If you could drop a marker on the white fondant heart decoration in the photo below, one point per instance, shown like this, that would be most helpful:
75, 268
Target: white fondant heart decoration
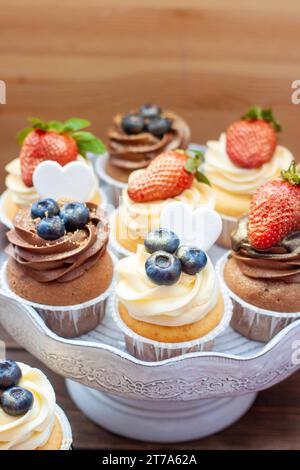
201, 227
74, 180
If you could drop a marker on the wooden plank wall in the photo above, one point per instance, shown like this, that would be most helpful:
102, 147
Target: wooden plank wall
208, 60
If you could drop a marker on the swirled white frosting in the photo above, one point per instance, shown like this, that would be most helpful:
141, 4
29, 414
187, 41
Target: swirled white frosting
23, 195
186, 302
137, 219
223, 173
33, 429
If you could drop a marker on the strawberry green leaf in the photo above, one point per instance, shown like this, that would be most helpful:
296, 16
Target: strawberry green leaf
202, 178
197, 153
83, 136
257, 112
292, 174
21, 136
55, 126
75, 124
37, 123
191, 165
194, 161
95, 146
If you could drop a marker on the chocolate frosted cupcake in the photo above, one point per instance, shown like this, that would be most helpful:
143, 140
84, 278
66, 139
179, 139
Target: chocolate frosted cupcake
58, 260
265, 278
137, 138
262, 271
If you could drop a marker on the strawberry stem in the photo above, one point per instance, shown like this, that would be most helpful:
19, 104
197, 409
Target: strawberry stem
256, 113
292, 174
86, 141
193, 164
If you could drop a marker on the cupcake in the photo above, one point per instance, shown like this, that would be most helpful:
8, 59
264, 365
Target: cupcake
172, 176
59, 263
29, 416
262, 272
55, 141
168, 299
243, 159
138, 137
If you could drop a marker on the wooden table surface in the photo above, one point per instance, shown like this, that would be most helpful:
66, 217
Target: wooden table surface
272, 423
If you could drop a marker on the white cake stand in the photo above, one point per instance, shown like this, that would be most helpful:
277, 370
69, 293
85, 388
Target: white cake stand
175, 400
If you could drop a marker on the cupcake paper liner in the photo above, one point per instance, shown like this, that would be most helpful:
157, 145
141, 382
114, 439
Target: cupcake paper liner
68, 321
250, 321
150, 350
115, 187
7, 222
228, 226
66, 429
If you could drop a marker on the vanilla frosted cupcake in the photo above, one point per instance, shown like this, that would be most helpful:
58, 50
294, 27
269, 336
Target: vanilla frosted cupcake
172, 176
169, 300
241, 161
59, 142
29, 417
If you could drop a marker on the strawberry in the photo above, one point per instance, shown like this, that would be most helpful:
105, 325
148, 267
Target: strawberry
56, 141
168, 175
251, 141
275, 210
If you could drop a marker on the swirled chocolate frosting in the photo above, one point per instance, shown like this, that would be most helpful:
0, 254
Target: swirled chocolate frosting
61, 260
135, 151
279, 263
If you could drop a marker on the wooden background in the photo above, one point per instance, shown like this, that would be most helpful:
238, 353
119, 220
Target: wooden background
208, 60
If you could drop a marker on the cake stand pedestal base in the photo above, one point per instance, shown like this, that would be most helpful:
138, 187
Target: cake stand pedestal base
159, 421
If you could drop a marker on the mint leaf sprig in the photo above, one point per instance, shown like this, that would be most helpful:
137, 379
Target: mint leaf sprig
86, 141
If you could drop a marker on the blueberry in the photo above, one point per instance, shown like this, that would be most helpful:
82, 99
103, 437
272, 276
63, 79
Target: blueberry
75, 216
192, 259
150, 111
163, 268
44, 208
50, 228
10, 374
16, 401
158, 126
161, 239
133, 124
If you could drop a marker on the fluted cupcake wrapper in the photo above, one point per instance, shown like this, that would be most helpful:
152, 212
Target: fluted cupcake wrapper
228, 226
68, 321
115, 187
150, 350
67, 438
250, 321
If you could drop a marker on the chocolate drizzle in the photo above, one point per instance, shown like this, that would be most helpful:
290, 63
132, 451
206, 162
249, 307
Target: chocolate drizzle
132, 152
279, 263
61, 260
